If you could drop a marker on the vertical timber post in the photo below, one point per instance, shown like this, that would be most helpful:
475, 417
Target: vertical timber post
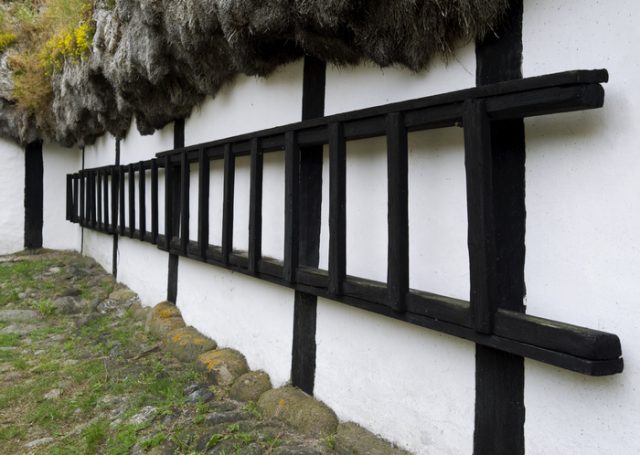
174, 189
303, 365
115, 185
33, 195
82, 204
500, 412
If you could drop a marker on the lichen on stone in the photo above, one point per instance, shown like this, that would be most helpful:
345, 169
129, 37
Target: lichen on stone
156, 59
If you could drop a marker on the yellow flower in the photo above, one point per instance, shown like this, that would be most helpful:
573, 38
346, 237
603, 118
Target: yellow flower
83, 39
6, 40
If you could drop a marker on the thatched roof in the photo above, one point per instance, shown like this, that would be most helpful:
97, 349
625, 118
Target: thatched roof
157, 59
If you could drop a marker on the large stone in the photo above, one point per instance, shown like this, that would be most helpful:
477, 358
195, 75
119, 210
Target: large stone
19, 329
139, 312
163, 319
250, 386
299, 410
123, 295
200, 396
299, 449
53, 394
161, 328
67, 305
69, 292
164, 310
38, 443
352, 439
223, 366
187, 343
146, 415
18, 315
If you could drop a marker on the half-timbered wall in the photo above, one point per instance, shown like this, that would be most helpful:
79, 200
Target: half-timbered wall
412, 385
142, 266
372, 369
256, 318
94, 244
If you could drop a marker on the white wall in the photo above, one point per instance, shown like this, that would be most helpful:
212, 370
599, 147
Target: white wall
379, 372
102, 153
99, 245
11, 197
583, 225
142, 266
57, 232
252, 316
412, 386
240, 312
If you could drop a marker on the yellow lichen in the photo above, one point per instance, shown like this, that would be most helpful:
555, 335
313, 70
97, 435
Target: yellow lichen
199, 341
165, 313
210, 360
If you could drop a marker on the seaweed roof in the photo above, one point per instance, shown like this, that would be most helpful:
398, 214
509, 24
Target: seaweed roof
156, 59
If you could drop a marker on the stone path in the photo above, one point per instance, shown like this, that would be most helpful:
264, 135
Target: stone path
85, 369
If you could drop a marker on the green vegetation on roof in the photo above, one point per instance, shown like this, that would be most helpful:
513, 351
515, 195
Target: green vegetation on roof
80, 68
37, 37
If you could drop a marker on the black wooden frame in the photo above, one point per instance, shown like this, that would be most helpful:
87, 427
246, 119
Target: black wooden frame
479, 320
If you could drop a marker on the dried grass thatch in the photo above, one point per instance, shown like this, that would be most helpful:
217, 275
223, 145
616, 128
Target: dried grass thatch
156, 59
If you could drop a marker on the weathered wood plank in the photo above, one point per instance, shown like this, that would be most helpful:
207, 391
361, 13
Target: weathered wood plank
291, 220
203, 202
398, 212
481, 235
227, 209
142, 198
184, 203
255, 207
337, 208
154, 201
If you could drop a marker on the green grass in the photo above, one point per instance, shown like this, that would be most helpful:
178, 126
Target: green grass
44, 307
122, 442
11, 431
42, 333
95, 435
20, 364
154, 441
252, 408
9, 340
10, 296
48, 413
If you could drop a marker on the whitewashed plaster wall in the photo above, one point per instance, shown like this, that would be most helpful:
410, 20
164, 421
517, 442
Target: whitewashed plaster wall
97, 244
11, 197
583, 225
379, 372
57, 232
142, 266
237, 311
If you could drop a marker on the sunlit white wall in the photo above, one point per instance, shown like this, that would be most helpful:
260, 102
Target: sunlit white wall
11, 197
583, 224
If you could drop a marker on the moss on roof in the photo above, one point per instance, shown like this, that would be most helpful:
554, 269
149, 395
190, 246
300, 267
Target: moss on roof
97, 64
